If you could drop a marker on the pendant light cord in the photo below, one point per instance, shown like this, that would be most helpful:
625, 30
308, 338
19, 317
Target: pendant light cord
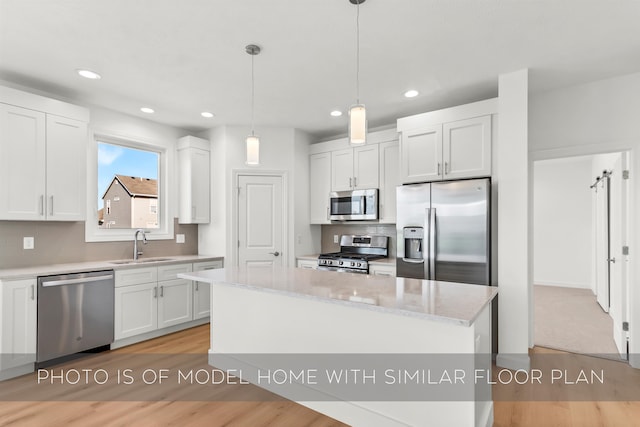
358, 53
252, 95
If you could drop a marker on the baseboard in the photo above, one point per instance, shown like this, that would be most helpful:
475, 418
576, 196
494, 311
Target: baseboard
562, 284
157, 333
514, 361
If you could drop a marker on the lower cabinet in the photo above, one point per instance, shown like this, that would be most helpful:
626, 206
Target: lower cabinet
309, 264
153, 298
382, 270
18, 327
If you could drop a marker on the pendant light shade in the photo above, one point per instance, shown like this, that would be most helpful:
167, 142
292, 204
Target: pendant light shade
253, 142
357, 112
253, 150
357, 124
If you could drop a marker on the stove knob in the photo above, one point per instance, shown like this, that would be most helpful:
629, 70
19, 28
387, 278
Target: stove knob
359, 264
340, 263
353, 264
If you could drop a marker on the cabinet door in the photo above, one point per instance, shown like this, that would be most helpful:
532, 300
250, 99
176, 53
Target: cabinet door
319, 187
175, 302
421, 155
342, 170
18, 327
308, 264
382, 270
365, 167
467, 148
194, 186
389, 180
202, 291
136, 310
22, 163
66, 169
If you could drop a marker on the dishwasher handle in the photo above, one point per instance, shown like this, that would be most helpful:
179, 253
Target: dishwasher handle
61, 282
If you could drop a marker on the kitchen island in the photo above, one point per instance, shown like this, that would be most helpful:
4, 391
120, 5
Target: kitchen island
301, 324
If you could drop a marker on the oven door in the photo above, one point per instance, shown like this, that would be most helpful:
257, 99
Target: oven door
354, 205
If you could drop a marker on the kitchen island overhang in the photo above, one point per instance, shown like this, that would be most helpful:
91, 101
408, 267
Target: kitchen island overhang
270, 316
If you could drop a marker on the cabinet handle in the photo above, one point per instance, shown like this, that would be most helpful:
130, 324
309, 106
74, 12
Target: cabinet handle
446, 168
327, 213
193, 212
197, 286
439, 169
155, 292
162, 291
355, 181
350, 179
33, 292
51, 206
41, 205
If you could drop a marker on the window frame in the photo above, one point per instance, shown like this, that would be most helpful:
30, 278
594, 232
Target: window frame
93, 233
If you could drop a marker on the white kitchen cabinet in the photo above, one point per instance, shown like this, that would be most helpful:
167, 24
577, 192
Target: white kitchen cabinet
18, 327
382, 270
308, 264
194, 180
421, 154
42, 158
467, 148
135, 310
453, 150
202, 291
175, 302
319, 187
389, 180
355, 168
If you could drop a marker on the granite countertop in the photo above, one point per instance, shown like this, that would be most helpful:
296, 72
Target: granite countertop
448, 302
45, 270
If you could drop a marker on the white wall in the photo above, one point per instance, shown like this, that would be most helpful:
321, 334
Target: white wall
562, 222
594, 118
281, 150
511, 176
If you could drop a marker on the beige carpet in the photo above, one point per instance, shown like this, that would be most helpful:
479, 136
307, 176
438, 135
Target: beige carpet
570, 319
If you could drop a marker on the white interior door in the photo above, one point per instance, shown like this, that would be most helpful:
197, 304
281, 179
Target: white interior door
618, 262
260, 220
602, 245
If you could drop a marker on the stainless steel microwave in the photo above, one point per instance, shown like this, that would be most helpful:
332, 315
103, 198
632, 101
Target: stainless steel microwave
355, 205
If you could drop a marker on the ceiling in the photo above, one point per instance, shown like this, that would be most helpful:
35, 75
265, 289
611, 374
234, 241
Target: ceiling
182, 58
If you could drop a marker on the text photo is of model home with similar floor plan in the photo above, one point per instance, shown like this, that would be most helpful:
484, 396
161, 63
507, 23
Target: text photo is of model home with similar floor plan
353, 212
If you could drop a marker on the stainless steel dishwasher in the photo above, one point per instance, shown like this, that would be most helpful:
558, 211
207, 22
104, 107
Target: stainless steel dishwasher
75, 313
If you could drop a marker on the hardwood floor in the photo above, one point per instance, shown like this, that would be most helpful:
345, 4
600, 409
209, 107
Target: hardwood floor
269, 410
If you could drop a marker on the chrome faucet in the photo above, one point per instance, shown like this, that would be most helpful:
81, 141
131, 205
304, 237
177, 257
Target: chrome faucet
137, 253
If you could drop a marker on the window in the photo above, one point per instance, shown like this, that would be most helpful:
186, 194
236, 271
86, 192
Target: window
127, 190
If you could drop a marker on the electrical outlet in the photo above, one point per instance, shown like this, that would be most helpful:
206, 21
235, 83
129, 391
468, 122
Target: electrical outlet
28, 243
179, 238
335, 238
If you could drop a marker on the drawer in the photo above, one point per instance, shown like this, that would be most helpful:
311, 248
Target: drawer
136, 276
208, 265
170, 272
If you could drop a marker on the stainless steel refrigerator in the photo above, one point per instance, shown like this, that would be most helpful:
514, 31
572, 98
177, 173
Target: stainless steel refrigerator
443, 231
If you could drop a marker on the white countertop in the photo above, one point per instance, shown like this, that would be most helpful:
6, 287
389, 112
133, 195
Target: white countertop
427, 299
42, 270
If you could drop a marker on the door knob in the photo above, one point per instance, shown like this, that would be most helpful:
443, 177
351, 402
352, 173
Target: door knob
276, 253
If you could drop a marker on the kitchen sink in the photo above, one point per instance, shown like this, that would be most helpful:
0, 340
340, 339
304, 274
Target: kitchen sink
141, 261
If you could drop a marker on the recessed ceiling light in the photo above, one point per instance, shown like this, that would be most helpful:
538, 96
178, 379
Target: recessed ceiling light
336, 113
411, 93
88, 74
147, 110
207, 114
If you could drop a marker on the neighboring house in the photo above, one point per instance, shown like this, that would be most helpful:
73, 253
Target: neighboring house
130, 202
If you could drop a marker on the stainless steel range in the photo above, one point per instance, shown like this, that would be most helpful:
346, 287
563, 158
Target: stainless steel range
355, 254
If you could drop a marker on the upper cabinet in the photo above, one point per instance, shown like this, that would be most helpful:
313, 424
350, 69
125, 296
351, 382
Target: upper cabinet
194, 180
42, 158
355, 168
389, 180
448, 144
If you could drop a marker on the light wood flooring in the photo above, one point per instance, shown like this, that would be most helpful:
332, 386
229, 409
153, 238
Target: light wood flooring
562, 412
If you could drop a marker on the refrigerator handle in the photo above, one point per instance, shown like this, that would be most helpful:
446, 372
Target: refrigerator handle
432, 243
426, 247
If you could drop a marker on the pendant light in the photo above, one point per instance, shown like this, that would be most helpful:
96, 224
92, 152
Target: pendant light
253, 142
357, 112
